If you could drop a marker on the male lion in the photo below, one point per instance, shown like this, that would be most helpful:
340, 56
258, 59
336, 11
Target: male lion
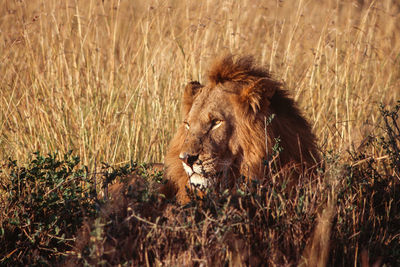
227, 132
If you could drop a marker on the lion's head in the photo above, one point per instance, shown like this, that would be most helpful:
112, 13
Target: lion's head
227, 129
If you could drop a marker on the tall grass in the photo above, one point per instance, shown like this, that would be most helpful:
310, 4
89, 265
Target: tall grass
104, 78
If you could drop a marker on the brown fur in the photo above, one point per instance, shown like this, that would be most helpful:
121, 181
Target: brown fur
242, 96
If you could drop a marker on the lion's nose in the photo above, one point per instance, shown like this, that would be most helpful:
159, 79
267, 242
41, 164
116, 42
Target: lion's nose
188, 159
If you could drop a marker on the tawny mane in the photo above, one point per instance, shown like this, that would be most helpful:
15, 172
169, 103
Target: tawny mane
241, 70
253, 98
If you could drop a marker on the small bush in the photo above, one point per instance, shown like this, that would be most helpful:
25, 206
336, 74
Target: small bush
45, 205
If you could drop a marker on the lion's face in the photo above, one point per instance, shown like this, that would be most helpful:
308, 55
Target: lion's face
208, 151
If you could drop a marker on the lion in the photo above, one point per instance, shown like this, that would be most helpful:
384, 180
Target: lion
227, 131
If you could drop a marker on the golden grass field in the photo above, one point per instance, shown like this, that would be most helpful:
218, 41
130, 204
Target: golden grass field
104, 78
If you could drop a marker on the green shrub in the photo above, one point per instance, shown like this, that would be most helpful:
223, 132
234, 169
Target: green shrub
45, 204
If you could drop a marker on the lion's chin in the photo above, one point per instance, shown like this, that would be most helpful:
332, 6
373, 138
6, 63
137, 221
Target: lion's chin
196, 180
199, 181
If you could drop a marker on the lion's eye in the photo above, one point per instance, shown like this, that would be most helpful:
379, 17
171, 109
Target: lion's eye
215, 124
187, 126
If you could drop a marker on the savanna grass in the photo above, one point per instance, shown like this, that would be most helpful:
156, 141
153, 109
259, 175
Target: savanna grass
104, 78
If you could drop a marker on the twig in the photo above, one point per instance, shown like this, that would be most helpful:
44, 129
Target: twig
369, 158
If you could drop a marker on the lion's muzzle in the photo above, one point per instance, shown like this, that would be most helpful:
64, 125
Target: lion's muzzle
195, 179
204, 171
194, 171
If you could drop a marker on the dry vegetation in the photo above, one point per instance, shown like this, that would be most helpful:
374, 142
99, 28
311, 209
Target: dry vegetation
104, 78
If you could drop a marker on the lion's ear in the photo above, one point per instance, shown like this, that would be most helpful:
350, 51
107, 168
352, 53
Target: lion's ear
257, 95
189, 94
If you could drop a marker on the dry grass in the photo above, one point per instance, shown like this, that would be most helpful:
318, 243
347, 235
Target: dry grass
105, 79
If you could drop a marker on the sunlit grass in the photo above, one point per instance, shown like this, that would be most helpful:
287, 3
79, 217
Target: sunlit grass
105, 79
